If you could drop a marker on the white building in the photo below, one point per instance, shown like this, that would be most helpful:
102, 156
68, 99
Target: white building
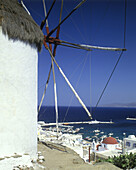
20, 37
108, 147
130, 143
108, 143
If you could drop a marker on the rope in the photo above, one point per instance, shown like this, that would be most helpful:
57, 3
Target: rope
77, 28
66, 18
117, 60
109, 79
81, 35
68, 82
75, 87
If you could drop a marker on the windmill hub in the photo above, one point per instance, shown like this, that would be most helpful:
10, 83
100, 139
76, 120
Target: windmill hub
52, 40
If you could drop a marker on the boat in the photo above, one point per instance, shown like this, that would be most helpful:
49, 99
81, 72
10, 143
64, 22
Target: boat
110, 134
130, 118
101, 132
97, 130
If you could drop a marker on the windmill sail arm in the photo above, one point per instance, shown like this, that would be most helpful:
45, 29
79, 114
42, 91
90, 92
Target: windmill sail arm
103, 48
77, 96
77, 47
22, 3
90, 47
64, 76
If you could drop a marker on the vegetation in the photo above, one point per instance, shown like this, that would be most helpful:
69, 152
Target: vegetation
127, 161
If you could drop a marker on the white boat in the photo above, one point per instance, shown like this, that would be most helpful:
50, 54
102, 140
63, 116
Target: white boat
110, 134
101, 132
97, 130
130, 118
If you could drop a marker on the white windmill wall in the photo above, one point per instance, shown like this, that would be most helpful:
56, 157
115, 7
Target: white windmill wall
18, 97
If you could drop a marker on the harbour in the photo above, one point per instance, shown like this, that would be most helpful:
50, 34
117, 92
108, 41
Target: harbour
75, 137
83, 122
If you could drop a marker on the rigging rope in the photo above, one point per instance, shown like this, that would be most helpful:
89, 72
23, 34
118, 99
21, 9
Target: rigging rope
117, 60
76, 86
109, 79
83, 37
66, 18
77, 28
68, 82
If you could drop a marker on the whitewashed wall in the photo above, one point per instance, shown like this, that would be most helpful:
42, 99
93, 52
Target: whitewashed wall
110, 146
131, 140
18, 97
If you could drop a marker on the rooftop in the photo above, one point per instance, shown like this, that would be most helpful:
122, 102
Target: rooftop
131, 137
18, 24
110, 140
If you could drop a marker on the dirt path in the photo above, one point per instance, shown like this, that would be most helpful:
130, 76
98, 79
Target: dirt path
62, 158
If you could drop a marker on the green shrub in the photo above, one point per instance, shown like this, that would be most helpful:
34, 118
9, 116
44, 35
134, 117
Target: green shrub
127, 161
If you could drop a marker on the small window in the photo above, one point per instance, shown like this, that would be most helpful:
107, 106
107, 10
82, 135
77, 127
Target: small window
134, 145
128, 144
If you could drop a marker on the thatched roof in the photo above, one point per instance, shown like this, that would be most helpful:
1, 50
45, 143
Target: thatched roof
18, 24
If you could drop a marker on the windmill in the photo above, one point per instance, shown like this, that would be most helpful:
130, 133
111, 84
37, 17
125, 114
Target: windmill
56, 41
20, 41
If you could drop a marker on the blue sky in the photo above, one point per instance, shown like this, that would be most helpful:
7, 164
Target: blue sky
99, 22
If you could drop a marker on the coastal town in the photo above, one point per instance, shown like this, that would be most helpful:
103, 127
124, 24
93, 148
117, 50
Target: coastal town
35, 138
105, 146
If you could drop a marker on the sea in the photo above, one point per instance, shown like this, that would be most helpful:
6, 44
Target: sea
120, 128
